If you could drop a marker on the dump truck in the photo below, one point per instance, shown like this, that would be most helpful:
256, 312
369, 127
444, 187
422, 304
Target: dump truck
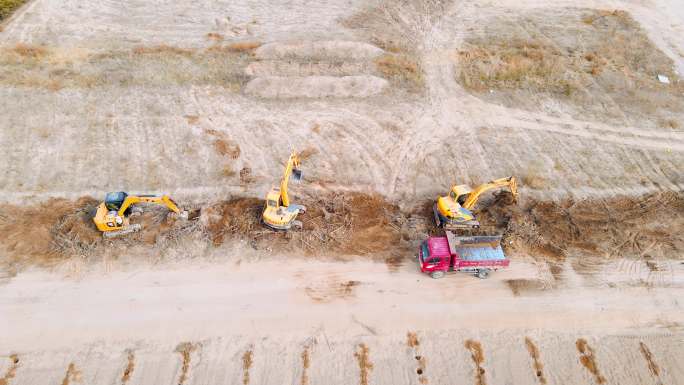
478, 255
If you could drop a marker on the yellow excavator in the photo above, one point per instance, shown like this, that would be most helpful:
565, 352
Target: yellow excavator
453, 212
112, 217
279, 213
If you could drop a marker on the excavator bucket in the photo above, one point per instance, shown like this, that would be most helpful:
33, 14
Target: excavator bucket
297, 174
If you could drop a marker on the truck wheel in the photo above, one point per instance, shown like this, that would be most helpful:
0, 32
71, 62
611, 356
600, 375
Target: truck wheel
482, 273
437, 274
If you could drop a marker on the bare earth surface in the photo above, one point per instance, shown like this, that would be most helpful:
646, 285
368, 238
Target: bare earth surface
204, 100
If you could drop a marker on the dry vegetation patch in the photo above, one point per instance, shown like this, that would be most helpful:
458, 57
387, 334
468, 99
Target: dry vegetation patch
401, 68
398, 27
596, 62
55, 68
7, 7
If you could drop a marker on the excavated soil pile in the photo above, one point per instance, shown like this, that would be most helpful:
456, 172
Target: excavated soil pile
43, 233
343, 224
349, 223
630, 227
60, 229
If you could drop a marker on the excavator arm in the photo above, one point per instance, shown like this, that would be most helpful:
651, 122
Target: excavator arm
164, 200
474, 195
292, 168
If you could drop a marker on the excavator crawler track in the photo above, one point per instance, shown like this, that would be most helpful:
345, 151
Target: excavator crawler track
120, 233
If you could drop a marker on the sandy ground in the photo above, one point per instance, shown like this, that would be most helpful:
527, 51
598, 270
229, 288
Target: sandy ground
278, 310
251, 317
394, 142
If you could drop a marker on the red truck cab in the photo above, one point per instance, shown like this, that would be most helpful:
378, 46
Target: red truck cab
474, 254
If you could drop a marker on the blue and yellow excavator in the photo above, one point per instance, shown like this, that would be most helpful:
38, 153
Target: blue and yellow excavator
453, 212
279, 213
112, 217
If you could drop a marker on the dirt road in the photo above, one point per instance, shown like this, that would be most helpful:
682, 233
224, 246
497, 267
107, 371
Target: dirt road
278, 310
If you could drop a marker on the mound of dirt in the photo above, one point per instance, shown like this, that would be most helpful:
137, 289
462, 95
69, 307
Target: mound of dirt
59, 229
40, 234
352, 223
630, 227
358, 86
349, 223
312, 50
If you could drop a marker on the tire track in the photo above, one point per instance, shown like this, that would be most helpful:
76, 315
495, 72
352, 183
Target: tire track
477, 354
641, 140
12, 371
365, 365
588, 360
537, 364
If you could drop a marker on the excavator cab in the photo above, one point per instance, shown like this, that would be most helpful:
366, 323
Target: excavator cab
114, 200
297, 174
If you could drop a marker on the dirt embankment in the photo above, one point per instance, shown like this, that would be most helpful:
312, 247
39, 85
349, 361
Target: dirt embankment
58, 229
350, 223
344, 224
630, 227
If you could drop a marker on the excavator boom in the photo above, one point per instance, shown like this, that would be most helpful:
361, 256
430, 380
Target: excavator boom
161, 200
291, 168
474, 195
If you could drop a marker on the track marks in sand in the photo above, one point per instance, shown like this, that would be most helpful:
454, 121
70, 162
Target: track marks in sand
477, 354
648, 356
72, 374
536, 360
130, 366
365, 365
588, 360
246, 365
185, 349
12, 371
413, 343
306, 361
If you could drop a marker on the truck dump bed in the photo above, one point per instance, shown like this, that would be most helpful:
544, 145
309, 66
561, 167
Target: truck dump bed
477, 248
